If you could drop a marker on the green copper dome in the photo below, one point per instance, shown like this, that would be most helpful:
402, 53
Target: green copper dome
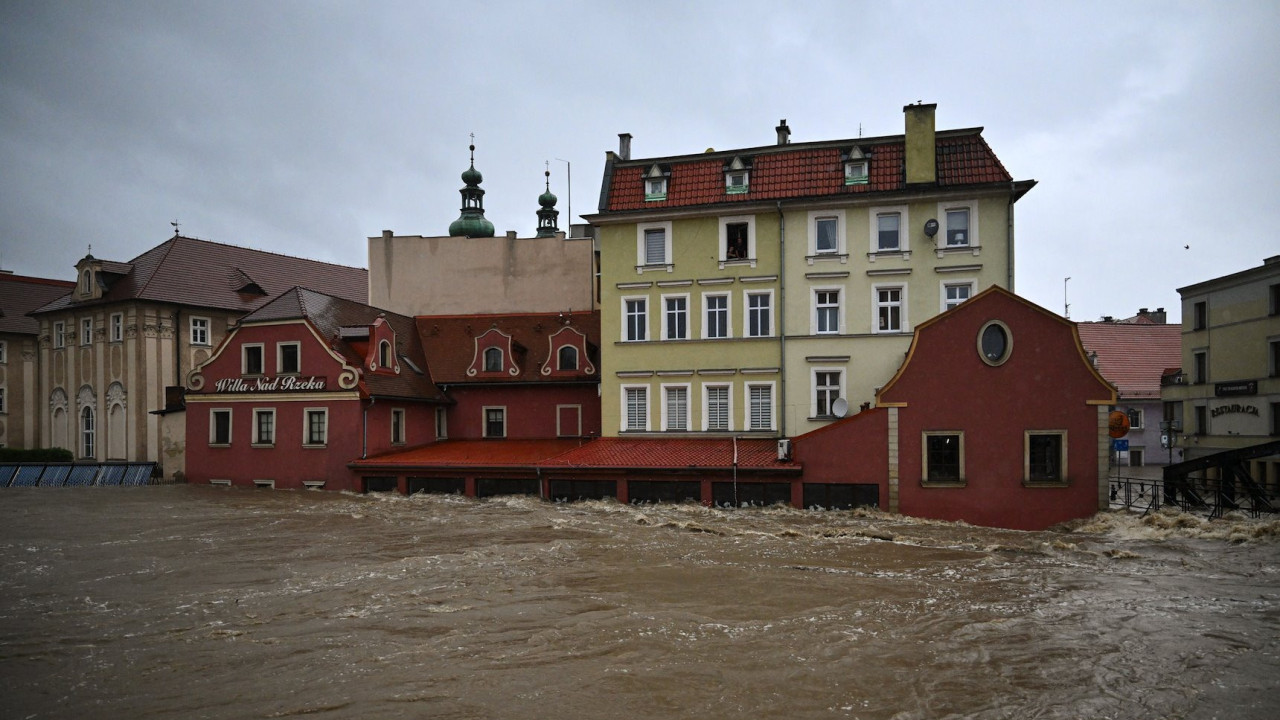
547, 199
472, 222
547, 214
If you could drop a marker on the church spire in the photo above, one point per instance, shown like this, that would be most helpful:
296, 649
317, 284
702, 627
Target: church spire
472, 223
547, 214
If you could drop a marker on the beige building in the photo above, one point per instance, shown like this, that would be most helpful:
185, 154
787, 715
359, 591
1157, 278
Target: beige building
769, 289
113, 353
19, 406
1228, 393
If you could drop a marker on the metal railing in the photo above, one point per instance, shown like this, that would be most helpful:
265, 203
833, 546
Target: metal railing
1210, 496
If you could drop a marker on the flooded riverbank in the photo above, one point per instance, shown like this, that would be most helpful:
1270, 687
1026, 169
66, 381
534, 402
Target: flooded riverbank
196, 602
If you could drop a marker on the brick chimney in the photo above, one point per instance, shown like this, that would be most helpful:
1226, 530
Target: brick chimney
922, 162
624, 146
784, 132
1156, 316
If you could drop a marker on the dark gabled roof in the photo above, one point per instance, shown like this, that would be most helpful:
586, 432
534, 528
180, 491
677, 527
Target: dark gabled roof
449, 342
330, 314
1133, 356
199, 273
20, 295
810, 170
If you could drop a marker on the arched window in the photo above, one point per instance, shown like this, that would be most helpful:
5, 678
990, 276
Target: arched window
384, 354
86, 282
568, 357
493, 360
86, 432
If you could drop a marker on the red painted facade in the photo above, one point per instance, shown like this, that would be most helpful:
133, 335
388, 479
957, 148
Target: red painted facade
1008, 415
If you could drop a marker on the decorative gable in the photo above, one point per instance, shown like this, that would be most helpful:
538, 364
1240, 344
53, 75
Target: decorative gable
737, 175
494, 355
656, 180
567, 353
381, 356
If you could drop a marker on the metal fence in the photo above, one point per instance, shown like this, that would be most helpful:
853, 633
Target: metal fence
1210, 496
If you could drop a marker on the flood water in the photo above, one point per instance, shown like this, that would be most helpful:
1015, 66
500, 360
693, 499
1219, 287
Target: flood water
198, 602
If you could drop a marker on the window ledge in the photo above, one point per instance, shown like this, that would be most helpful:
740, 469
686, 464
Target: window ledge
751, 262
267, 446
944, 483
826, 257
1045, 483
904, 254
975, 250
219, 445
312, 446
641, 269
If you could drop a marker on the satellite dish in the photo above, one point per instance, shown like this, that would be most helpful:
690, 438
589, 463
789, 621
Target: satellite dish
930, 227
840, 407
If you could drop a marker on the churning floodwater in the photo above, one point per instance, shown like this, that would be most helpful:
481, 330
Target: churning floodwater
197, 602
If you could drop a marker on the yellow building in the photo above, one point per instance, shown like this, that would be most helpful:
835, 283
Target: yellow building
1228, 393
746, 291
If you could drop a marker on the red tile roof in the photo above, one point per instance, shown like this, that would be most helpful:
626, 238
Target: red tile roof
20, 295
449, 343
200, 273
802, 171
475, 453
674, 453
1133, 356
330, 314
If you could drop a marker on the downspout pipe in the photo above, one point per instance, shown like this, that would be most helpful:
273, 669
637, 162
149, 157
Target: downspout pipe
1013, 194
782, 322
364, 430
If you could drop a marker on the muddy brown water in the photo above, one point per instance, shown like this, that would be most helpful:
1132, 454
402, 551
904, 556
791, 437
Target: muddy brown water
197, 602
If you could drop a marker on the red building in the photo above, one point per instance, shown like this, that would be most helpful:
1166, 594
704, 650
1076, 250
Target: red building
995, 418
301, 387
527, 376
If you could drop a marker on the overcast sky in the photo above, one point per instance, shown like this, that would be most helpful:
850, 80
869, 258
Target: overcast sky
304, 128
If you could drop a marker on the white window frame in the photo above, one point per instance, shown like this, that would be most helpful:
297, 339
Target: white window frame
666, 317
244, 359
3, 409
280, 358
257, 436
386, 355
746, 313
1142, 418
661, 195
904, 325
484, 420
1063, 478
722, 251
728, 315
86, 331
488, 353
814, 307
213, 426
117, 327
4, 352
560, 429
59, 335
307, 442
841, 244
862, 178
732, 188
944, 230
667, 420
773, 405
641, 257
626, 319
813, 393
943, 300
904, 223
706, 406
625, 409
442, 423
577, 361
195, 330
88, 432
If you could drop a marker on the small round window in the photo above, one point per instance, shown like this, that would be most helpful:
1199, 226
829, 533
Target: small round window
994, 343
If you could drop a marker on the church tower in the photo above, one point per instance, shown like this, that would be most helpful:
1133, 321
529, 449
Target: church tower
547, 214
472, 222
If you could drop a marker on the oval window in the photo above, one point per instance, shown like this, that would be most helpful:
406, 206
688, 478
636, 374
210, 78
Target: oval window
994, 343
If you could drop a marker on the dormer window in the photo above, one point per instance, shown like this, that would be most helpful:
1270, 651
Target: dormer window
655, 183
737, 176
856, 168
568, 358
384, 354
493, 359
86, 282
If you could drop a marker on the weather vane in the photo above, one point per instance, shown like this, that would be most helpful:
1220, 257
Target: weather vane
174, 223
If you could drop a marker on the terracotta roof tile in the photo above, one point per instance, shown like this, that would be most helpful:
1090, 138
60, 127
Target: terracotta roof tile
963, 158
1133, 356
480, 453
673, 453
449, 343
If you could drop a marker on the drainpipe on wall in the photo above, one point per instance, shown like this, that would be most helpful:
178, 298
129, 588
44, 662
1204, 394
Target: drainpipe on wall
782, 322
1009, 243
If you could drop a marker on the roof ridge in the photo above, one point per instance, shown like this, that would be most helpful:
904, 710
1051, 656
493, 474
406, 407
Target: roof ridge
264, 252
171, 242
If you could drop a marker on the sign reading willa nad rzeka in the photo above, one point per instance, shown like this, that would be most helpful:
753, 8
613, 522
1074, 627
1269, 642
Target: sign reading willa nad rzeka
283, 383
